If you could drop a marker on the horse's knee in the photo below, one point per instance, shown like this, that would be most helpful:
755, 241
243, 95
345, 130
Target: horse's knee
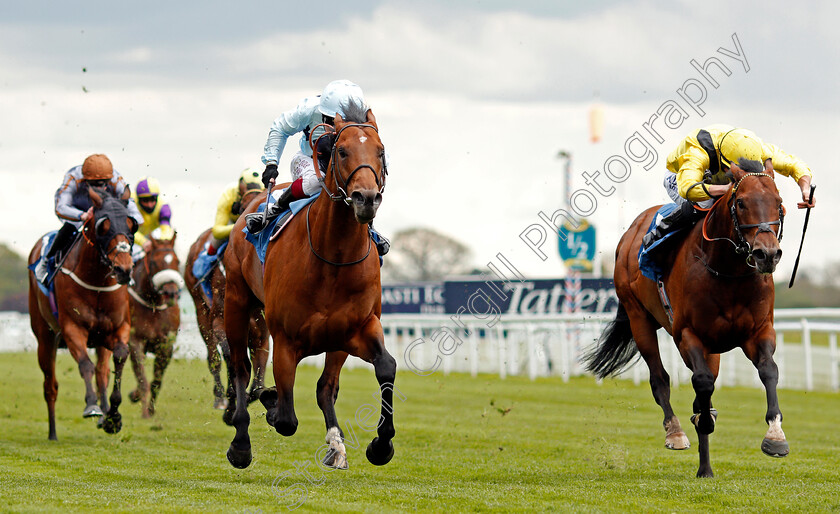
120, 352
386, 367
703, 382
86, 367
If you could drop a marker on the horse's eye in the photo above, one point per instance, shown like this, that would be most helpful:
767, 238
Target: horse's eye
739, 203
342, 152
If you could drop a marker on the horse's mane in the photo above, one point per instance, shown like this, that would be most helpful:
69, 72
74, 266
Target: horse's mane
750, 166
354, 111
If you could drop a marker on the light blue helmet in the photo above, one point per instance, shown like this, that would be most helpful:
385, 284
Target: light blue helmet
337, 94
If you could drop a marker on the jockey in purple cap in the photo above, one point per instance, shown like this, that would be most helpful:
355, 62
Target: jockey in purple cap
156, 216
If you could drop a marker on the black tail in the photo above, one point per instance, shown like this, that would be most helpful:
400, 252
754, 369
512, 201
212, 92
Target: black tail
614, 350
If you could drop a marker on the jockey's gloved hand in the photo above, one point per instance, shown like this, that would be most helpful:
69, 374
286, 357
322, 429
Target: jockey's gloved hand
269, 174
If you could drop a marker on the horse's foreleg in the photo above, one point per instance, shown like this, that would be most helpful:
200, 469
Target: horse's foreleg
280, 402
327, 394
162, 358
703, 380
47, 346
217, 349
761, 355
103, 377
137, 352
113, 419
236, 329
76, 338
258, 339
370, 346
644, 333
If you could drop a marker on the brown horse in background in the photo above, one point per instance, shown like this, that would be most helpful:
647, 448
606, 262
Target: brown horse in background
210, 316
321, 293
155, 317
92, 303
720, 284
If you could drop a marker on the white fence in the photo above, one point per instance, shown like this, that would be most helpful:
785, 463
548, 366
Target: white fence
538, 346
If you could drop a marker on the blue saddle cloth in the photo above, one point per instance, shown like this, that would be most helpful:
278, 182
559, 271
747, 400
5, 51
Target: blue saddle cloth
261, 239
202, 267
647, 265
49, 289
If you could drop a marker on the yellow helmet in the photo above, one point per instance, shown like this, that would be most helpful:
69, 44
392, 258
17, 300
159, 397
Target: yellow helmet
252, 179
739, 144
148, 187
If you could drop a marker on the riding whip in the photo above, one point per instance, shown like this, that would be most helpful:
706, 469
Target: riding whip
807, 214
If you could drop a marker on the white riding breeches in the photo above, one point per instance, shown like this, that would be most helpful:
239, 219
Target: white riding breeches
303, 168
670, 183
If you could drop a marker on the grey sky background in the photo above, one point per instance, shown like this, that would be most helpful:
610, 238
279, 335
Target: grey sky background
474, 100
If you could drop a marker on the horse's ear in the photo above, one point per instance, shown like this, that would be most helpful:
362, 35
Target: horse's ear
95, 198
338, 121
126, 195
371, 118
737, 172
172, 239
768, 167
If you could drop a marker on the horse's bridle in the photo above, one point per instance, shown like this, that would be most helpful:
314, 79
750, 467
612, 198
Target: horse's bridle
102, 241
329, 130
743, 245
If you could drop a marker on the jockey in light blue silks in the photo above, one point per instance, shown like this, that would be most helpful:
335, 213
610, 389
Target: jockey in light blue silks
309, 113
73, 207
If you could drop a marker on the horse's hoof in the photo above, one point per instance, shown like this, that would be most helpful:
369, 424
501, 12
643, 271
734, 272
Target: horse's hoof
92, 411
99, 422
239, 459
255, 394
112, 424
336, 460
220, 403
134, 396
268, 397
227, 416
379, 456
678, 441
775, 448
705, 473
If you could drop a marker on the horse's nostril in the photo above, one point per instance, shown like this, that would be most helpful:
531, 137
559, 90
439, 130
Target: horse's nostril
357, 197
759, 255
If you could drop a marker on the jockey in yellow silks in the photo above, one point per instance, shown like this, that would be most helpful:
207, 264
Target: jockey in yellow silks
228, 209
698, 172
156, 212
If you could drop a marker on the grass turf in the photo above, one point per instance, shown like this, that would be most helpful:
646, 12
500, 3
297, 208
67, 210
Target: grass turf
462, 444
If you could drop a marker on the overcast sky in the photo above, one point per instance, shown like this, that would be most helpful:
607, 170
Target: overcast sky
474, 101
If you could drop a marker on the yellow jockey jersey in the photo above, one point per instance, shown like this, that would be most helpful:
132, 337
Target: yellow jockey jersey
700, 152
227, 211
158, 218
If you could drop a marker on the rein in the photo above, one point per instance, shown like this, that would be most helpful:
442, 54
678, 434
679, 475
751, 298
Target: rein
311, 247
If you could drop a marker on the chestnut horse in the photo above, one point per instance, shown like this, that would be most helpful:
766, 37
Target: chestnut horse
92, 304
321, 293
155, 317
210, 316
720, 285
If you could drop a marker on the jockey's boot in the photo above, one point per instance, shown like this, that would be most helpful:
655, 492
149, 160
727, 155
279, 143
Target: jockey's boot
256, 221
382, 243
682, 217
66, 234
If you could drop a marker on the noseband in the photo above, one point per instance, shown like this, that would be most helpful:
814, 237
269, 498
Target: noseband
342, 187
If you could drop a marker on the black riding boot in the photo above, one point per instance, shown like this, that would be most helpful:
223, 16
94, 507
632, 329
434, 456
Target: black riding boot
683, 216
256, 221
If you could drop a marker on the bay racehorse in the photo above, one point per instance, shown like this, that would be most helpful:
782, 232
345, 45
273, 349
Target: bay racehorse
91, 298
209, 314
719, 281
321, 293
155, 317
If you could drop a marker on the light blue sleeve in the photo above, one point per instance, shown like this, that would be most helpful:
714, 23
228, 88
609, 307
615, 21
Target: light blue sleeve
286, 125
64, 198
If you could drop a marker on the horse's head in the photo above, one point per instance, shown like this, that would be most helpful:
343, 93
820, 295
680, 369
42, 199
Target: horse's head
358, 161
113, 231
757, 213
163, 267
